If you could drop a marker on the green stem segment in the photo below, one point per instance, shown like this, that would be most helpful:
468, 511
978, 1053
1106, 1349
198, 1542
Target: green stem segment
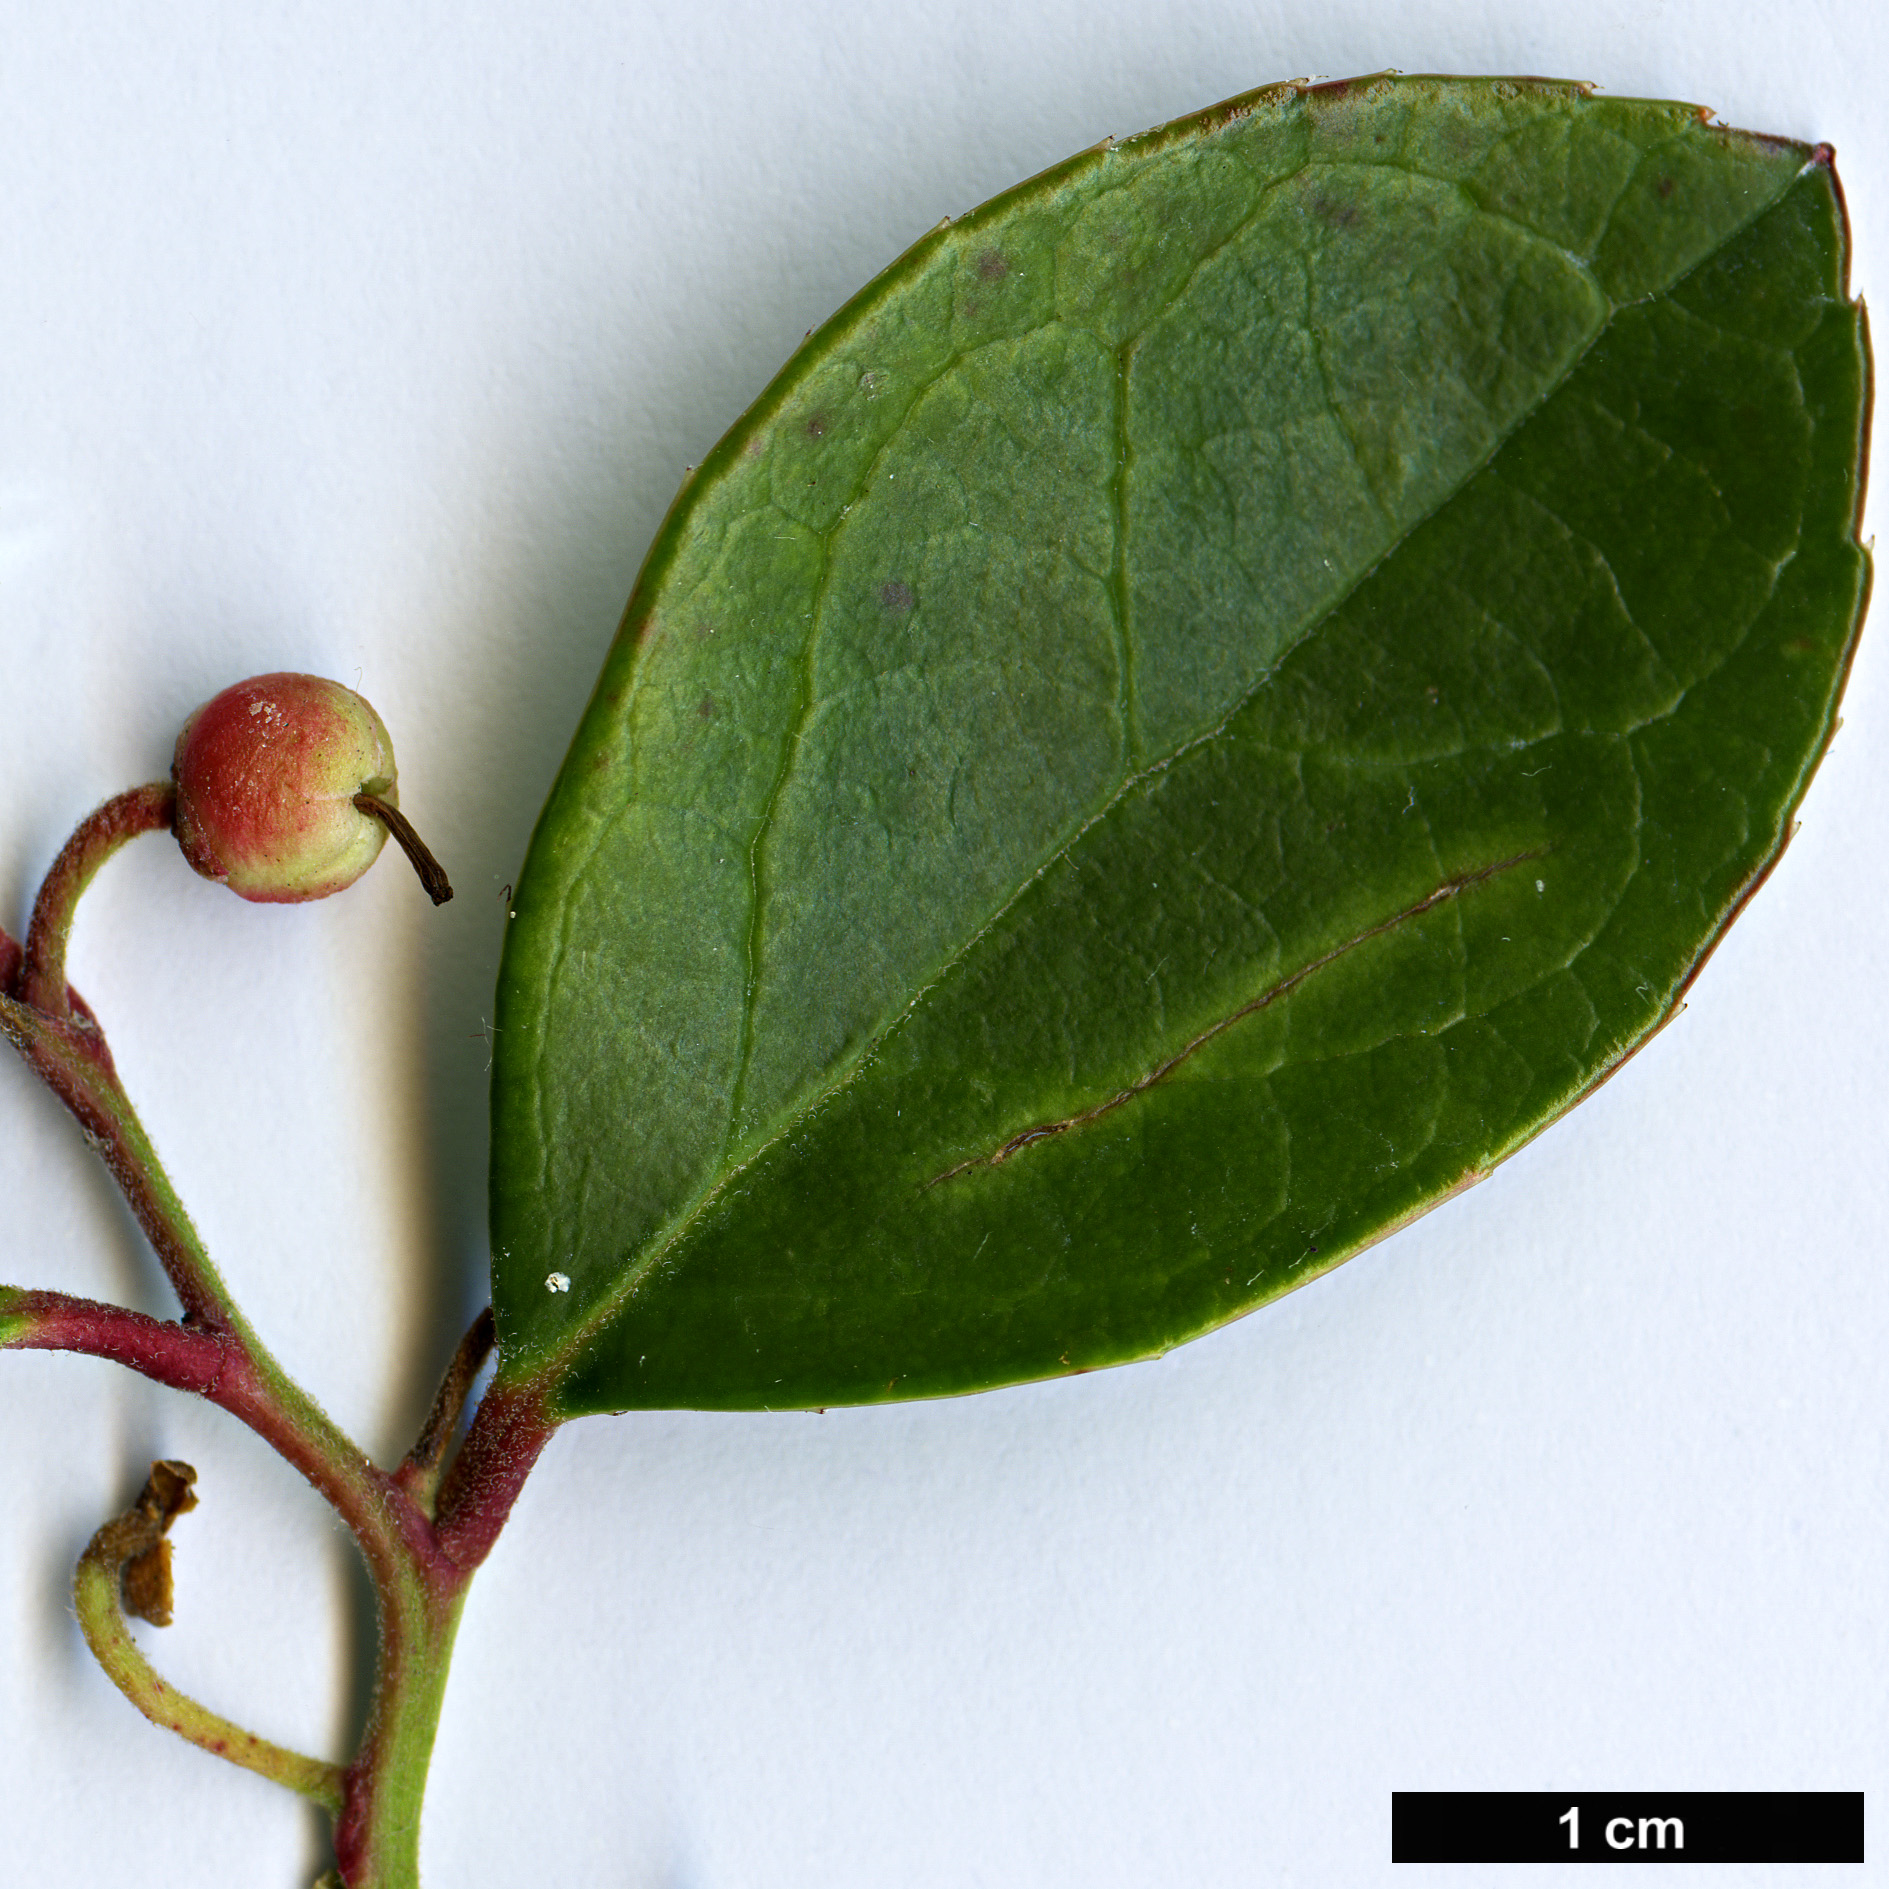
377, 1838
377, 1835
422, 1530
128, 1563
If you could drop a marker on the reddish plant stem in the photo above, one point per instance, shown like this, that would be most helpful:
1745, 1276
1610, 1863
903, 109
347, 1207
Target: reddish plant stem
80, 1013
216, 1365
64, 1047
508, 1435
177, 1356
420, 1567
69, 1055
419, 1475
421, 1572
509, 1430
42, 978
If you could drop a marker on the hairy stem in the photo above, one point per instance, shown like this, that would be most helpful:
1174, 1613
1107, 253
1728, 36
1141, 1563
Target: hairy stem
143, 810
423, 1530
180, 1356
70, 1057
419, 1475
420, 1571
128, 1562
229, 1370
250, 1384
377, 1835
508, 1434
377, 1838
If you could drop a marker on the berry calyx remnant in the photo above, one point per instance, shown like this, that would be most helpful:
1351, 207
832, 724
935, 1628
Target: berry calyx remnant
287, 790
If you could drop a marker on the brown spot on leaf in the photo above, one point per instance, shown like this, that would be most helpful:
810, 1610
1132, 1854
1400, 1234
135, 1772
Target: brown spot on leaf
706, 708
1665, 186
816, 426
896, 596
992, 267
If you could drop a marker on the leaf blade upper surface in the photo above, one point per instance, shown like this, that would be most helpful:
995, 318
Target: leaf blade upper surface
1213, 700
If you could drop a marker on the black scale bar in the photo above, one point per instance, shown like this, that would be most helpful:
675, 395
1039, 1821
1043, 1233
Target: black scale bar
1627, 1827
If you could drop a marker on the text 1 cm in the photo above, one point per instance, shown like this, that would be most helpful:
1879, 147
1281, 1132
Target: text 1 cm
1629, 1833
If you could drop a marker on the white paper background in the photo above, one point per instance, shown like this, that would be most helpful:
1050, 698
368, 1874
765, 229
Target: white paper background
372, 340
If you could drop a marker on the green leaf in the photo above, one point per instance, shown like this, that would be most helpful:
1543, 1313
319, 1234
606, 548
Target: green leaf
1214, 699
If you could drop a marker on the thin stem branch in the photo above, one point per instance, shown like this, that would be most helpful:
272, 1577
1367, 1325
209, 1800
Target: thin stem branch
241, 1378
82, 1018
129, 1559
419, 1475
420, 1567
68, 1053
181, 1357
69, 1056
42, 978
250, 1384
